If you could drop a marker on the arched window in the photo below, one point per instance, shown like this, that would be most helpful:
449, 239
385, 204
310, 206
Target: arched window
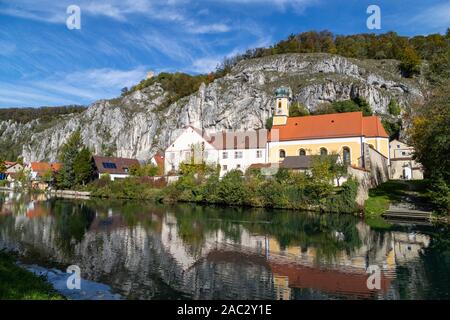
323, 151
302, 152
346, 155
282, 153
279, 104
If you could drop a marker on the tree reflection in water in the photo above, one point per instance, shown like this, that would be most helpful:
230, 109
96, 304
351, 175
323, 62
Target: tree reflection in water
159, 251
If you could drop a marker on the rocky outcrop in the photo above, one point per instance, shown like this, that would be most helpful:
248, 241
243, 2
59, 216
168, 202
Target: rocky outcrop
139, 124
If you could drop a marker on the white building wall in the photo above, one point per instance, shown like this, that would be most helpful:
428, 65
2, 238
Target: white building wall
181, 150
233, 161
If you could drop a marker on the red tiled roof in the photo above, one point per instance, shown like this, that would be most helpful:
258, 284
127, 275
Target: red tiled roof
336, 125
41, 167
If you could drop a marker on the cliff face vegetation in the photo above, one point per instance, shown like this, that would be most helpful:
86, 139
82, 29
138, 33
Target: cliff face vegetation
388, 72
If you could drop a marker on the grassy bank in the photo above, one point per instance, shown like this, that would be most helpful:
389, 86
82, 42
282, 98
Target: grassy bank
382, 196
19, 284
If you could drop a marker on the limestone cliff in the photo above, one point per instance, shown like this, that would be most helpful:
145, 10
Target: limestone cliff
139, 124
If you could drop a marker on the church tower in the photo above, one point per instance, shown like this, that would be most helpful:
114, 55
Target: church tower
281, 113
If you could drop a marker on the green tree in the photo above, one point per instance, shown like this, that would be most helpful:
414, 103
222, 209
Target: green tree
47, 176
269, 123
23, 178
394, 108
231, 188
67, 155
83, 166
364, 106
2, 166
345, 106
298, 110
430, 137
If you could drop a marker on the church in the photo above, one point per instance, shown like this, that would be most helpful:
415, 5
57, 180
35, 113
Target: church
350, 135
344, 134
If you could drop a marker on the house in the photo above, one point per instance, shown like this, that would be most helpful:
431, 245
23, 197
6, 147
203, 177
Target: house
12, 168
158, 161
39, 170
239, 150
117, 168
402, 164
229, 150
341, 133
191, 146
42, 173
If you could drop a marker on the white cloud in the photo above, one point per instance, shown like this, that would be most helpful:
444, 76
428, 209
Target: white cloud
78, 87
209, 28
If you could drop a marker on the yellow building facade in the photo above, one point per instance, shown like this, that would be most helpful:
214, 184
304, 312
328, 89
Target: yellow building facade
343, 134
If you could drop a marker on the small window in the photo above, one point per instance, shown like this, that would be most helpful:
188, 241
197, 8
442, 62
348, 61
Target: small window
323, 151
238, 166
279, 104
403, 153
125, 169
224, 167
259, 153
109, 165
238, 154
346, 155
224, 155
282, 153
398, 146
302, 152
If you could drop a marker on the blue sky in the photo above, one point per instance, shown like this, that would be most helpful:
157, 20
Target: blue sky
42, 62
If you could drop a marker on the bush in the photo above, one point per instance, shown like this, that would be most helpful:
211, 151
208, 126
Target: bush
231, 188
344, 200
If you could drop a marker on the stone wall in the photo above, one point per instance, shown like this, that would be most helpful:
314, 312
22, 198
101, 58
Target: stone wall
374, 170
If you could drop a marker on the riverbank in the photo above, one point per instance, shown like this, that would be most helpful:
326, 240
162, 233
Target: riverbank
20, 284
285, 190
397, 192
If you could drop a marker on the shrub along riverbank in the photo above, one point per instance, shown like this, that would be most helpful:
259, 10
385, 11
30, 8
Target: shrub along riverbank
285, 190
20, 284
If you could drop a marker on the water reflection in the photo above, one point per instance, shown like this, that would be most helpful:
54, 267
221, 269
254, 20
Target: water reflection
148, 251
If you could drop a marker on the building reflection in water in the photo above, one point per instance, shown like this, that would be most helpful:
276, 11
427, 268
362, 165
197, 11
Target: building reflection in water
160, 252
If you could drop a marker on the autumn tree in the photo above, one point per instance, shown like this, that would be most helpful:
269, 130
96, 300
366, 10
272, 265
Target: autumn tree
410, 62
430, 137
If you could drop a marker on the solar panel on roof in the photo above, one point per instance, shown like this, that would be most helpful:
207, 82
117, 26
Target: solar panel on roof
109, 165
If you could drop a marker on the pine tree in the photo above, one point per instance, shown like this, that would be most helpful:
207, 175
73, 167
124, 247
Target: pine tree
83, 167
67, 155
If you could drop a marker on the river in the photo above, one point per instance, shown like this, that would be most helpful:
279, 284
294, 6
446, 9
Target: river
185, 251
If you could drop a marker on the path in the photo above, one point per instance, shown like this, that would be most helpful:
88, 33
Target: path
410, 206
